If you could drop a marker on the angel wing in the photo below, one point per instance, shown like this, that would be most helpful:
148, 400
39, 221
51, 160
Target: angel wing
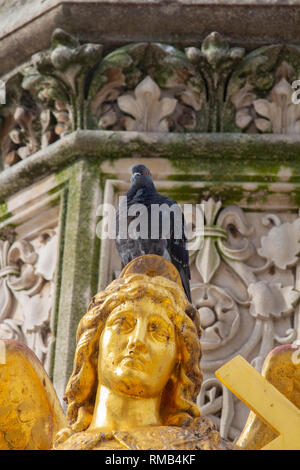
30, 411
282, 369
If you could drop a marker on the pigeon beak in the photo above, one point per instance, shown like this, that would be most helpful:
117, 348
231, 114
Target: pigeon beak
134, 176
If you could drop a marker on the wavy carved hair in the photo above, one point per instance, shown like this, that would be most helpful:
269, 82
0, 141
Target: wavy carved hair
179, 396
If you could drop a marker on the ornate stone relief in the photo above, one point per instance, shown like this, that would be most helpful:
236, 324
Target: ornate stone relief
275, 113
26, 292
28, 266
215, 61
26, 125
148, 109
211, 88
152, 80
243, 284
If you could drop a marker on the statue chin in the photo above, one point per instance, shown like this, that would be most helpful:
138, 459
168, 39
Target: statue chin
132, 386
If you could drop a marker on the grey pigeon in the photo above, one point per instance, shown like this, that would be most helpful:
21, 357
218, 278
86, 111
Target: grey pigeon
150, 223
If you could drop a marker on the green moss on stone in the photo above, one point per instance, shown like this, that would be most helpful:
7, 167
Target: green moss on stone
4, 213
296, 197
3, 209
225, 193
8, 233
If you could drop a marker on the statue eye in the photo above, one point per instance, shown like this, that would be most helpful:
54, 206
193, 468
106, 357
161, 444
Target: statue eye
158, 331
121, 324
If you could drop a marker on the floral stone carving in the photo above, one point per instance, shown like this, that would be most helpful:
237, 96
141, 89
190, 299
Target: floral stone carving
147, 108
261, 92
20, 124
61, 73
244, 287
142, 77
219, 315
282, 244
15, 278
215, 60
26, 292
276, 114
210, 88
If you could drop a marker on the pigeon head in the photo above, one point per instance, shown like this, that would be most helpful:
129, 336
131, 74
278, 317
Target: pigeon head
141, 177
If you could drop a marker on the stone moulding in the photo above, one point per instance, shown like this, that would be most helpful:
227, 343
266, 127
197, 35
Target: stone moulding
256, 154
29, 29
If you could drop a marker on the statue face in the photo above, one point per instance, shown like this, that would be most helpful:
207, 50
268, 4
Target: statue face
137, 349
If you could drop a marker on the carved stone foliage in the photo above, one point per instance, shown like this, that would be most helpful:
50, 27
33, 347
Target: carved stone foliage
60, 75
148, 87
18, 123
244, 287
26, 291
148, 110
26, 124
215, 61
261, 92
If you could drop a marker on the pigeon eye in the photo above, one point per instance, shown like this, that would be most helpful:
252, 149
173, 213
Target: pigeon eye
146, 173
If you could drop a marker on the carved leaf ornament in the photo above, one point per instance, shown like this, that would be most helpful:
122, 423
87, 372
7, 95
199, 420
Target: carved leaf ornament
278, 114
271, 299
281, 248
147, 108
149, 87
275, 112
27, 291
282, 244
208, 258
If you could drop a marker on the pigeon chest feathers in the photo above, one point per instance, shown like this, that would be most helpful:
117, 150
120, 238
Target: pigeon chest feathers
150, 223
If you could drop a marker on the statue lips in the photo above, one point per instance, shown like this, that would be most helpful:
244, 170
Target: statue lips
135, 361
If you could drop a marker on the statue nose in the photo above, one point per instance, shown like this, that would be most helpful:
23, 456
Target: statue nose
137, 340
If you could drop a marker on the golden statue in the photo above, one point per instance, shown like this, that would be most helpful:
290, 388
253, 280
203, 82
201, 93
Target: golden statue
135, 380
136, 372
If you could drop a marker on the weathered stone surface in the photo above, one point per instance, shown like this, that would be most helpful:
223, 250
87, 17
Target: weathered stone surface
26, 26
213, 156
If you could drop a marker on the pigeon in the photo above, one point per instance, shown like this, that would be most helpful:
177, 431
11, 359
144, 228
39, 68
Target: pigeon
149, 223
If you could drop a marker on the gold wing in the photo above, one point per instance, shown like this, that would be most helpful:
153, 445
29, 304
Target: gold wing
282, 369
30, 412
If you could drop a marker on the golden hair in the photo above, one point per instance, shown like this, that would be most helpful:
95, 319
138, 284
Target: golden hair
179, 396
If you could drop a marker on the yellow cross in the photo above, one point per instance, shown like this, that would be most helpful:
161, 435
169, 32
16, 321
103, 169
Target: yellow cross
265, 400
